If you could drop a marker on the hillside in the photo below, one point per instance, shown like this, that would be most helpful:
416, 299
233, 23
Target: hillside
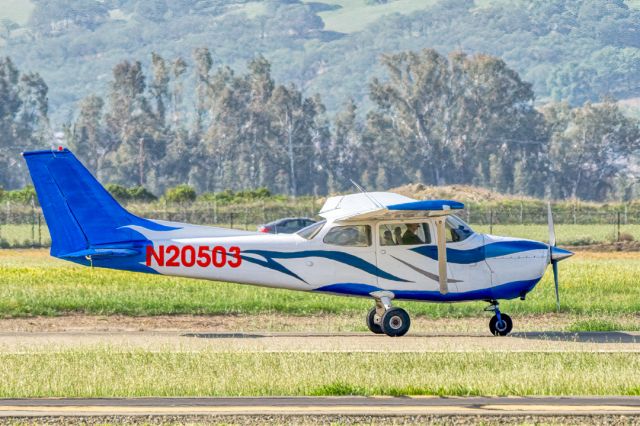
569, 50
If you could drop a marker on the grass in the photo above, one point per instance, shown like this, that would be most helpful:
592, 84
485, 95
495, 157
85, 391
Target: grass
635, 4
24, 235
568, 235
108, 372
32, 283
355, 15
600, 324
18, 11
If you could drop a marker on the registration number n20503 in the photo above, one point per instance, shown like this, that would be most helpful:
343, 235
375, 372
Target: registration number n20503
190, 256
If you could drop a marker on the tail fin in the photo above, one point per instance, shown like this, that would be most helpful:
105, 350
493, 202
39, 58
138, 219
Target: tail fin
80, 213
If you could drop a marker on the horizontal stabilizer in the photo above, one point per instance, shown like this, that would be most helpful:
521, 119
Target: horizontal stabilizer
102, 253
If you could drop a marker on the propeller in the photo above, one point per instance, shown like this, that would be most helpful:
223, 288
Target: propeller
552, 245
556, 254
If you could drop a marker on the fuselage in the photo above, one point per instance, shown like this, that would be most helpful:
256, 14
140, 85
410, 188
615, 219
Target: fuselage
479, 266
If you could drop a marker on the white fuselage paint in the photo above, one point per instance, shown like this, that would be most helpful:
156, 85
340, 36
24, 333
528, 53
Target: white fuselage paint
393, 268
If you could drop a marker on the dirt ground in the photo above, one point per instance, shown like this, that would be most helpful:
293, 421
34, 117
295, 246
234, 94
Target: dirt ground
266, 322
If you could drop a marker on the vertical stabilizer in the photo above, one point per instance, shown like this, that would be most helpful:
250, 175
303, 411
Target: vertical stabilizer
80, 213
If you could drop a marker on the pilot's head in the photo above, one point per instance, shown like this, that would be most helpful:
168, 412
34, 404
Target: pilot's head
413, 227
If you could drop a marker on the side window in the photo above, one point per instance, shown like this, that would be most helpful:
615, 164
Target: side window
404, 234
352, 235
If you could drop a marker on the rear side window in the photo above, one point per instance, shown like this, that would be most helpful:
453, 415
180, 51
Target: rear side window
352, 235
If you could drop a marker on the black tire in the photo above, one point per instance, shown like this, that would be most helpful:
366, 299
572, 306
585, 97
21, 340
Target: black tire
395, 322
501, 329
371, 323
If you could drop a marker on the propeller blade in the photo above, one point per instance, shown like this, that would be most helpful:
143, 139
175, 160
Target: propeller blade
554, 265
552, 231
442, 255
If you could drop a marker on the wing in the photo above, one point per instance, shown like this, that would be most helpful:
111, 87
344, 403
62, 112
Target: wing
408, 210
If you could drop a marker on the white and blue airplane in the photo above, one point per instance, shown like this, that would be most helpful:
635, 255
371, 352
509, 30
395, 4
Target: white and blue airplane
378, 245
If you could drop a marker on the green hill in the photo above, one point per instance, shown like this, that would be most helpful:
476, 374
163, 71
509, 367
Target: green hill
574, 50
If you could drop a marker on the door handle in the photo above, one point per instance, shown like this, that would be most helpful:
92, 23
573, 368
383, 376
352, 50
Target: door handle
383, 252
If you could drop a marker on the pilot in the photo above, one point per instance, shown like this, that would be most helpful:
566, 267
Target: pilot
387, 239
397, 234
409, 236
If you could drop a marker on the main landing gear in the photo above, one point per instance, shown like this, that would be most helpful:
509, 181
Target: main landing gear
500, 324
385, 319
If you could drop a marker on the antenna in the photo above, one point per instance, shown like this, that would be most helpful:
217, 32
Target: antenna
361, 189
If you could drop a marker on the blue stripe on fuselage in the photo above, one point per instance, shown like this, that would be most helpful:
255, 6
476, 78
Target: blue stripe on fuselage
504, 291
338, 256
478, 254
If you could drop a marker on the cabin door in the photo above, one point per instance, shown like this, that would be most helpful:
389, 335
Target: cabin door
407, 258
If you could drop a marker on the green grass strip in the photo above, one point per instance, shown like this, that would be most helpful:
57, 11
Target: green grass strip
105, 372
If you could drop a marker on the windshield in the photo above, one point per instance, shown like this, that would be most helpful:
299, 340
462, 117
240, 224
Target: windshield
457, 229
312, 230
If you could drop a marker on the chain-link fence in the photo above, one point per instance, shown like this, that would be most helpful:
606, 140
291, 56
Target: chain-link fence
22, 225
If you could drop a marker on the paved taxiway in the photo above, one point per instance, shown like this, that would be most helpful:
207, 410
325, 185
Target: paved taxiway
370, 406
12, 342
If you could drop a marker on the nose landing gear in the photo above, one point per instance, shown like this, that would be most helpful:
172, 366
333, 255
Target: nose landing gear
500, 324
385, 319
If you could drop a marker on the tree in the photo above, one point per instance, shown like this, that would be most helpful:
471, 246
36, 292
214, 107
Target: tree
24, 122
445, 119
344, 152
140, 136
89, 139
590, 148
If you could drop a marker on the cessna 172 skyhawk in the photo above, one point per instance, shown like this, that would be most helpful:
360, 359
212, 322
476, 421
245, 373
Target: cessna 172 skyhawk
379, 245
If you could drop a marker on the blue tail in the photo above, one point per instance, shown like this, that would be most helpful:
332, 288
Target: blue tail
83, 218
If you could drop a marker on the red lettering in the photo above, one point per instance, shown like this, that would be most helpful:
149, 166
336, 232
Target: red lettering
190, 260
219, 262
173, 253
204, 258
235, 251
157, 256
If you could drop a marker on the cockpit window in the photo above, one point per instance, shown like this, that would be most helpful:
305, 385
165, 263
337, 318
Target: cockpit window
352, 235
457, 230
392, 234
312, 230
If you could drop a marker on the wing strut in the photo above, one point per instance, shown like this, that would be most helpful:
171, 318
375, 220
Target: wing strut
442, 254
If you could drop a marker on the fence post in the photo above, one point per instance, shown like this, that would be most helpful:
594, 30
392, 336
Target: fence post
231, 220
618, 226
33, 222
491, 221
469, 213
39, 230
521, 212
215, 207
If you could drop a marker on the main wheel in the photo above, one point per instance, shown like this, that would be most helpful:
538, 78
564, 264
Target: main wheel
372, 324
500, 328
395, 322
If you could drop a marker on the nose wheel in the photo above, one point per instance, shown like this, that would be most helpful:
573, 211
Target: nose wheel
500, 324
385, 319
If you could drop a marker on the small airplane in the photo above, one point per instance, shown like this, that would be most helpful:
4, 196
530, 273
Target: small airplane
378, 245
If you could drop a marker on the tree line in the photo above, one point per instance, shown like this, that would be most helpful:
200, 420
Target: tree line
436, 119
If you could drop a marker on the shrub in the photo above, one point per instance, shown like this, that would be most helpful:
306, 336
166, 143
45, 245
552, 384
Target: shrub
24, 195
119, 192
180, 194
141, 194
